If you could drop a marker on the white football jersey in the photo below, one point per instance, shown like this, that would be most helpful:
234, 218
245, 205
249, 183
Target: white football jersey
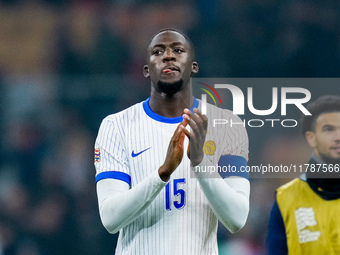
132, 144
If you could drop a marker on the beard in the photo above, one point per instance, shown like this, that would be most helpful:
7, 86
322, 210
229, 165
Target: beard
170, 88
330, 160
328, 175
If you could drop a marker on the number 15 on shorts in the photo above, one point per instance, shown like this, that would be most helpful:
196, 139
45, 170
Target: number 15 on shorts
174, 194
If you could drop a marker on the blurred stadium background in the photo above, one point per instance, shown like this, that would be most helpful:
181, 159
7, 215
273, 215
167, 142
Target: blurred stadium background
66, 64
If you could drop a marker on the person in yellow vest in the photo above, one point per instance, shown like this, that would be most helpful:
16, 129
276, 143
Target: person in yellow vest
305, 217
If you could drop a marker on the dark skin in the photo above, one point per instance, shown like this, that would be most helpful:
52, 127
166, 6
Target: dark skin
170, 60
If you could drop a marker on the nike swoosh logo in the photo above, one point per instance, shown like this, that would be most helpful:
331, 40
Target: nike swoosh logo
133, 154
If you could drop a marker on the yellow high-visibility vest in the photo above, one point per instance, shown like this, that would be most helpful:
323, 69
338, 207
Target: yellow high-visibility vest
312, 223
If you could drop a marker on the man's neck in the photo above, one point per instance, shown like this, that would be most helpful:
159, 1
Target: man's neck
327, 187
317, 159
170, 106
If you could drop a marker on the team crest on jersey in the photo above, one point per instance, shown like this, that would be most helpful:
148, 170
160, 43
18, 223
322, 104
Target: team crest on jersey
97, 155
209, 147
305, 222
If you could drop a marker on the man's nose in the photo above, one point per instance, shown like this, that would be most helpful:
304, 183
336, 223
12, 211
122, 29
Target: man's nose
337, 135
169, 55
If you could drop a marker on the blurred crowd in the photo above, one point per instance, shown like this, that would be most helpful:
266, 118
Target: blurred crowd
66, 64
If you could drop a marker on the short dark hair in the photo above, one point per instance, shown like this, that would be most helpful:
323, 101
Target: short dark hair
177, 31
324, 104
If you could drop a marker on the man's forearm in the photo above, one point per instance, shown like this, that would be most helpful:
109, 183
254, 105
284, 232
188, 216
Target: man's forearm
228, 198
119, 205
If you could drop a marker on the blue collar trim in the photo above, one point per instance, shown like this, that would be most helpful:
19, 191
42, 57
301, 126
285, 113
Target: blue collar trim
160, 118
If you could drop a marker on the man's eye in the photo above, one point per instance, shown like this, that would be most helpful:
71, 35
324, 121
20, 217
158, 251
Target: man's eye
179, 50
156, 52
328, 129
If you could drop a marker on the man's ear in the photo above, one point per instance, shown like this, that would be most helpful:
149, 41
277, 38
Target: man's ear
310, 137
146, 71
195, 67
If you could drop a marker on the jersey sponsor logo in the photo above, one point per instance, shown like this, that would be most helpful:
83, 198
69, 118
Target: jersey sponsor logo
209, 147
97, 155
305, 219
133, 154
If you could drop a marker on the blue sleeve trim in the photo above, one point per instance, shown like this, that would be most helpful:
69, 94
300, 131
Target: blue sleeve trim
114, 175
276, 236
234, 166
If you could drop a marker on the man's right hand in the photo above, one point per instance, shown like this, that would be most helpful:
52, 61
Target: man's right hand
175, 152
